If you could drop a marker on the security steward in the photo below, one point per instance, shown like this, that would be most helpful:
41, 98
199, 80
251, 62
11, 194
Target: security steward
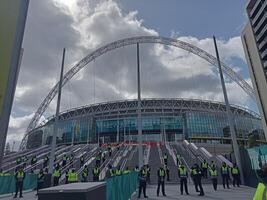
260, 193
204, 166
110, 172
236, 175
214, 177
34, 160
40, 180
225, 175
96, 172
161, 180
183, 175
196, 174
46, 159
126, 171
81, 161
19, 176
178, 159
142, 182
56, 175
73, 176
85, 174
165, 158
118, 171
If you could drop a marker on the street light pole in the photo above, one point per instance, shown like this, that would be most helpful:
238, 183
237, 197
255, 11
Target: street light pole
229, 114
139, 120
55, 129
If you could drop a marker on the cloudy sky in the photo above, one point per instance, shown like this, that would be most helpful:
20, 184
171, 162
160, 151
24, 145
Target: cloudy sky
84, 25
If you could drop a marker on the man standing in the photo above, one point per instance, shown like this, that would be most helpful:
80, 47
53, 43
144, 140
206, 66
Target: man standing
46, 159
56, 175
110, 172
19, 176
167, 172
183, 175
81, 161
96, 173
236, 175
225, 175
73, 176
85, 174
196, 174
40, 180
165, 158
214, 177
177, 159
204, 166
142, 182
161, 180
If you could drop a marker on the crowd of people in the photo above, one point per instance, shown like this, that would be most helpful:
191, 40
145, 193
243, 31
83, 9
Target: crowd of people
204, 171
71, 175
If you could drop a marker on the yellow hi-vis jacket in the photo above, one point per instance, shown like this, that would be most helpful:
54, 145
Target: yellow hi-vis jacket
260, 193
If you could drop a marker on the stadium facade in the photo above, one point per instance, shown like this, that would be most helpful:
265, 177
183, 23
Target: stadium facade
162, 120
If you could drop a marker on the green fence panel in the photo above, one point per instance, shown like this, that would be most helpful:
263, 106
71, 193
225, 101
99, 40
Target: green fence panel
122, 187
7, 183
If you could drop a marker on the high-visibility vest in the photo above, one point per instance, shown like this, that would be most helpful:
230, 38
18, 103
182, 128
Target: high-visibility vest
224, 170
20, 174
136, 169
204, 165
56, 173
111, 172
213, 173
82, 158
118, 172
95, 171
126, 172
1, 174
182, 172
260, 193
178, 156
194, 172
235, 170
161, 172
72, 177
165, 157
85, 173
144, 172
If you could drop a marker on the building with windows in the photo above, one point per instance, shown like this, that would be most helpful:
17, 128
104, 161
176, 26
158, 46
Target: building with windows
254, 38
162, 120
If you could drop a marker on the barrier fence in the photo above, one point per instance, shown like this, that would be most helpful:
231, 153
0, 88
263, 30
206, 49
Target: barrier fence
122, 187
8, 183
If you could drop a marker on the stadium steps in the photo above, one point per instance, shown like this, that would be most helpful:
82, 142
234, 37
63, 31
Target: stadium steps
154, 163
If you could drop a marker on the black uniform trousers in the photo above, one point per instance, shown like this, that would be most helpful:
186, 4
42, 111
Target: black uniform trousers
183, 185
236, 180
56, 180
19, 187
198, 185
225, 178
96, 178
214, 183
205, 172
142, 186
162, 184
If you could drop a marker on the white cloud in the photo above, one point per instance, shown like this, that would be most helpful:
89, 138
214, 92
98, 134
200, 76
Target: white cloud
84, 25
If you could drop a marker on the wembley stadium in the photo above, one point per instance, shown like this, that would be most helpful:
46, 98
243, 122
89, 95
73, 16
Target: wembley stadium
162, 120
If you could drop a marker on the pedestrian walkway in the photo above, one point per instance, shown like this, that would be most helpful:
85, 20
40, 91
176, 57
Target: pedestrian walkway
30, 195
173, 192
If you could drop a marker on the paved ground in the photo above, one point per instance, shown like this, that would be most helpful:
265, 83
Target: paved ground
243, 193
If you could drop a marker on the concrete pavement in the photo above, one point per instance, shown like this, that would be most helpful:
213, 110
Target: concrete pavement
173, 192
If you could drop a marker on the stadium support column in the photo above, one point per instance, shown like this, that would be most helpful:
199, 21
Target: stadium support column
229, 114
55, 131
139, 120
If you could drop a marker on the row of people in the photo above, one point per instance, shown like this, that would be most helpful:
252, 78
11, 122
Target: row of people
196, 174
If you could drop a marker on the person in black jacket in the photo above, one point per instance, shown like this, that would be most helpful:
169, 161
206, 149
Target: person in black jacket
40, 180
142, 182
161, 180
197, 174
